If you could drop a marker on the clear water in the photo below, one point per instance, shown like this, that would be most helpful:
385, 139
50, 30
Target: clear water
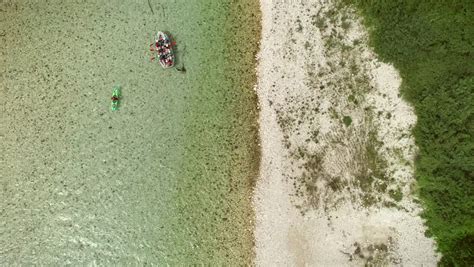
167, 178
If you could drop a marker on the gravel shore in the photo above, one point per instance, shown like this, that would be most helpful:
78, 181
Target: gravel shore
336, 181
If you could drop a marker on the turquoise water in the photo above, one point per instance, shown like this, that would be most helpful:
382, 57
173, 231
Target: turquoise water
167, 178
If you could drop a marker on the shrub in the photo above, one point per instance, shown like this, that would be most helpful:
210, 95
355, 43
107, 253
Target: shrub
430, 43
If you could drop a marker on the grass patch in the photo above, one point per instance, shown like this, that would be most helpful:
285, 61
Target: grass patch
368, 200
430, 43
336, 184
375, 162
352, 99
300, 27
370, 176
396, 194
347, 120
345, 25
319, 22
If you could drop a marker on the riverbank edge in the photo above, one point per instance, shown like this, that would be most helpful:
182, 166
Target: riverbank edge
243, 21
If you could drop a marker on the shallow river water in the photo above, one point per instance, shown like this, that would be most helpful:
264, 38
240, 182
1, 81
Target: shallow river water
166, 179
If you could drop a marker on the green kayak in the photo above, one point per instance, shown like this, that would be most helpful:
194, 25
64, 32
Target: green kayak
116, 97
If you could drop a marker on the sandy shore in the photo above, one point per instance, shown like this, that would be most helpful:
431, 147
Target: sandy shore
336, 182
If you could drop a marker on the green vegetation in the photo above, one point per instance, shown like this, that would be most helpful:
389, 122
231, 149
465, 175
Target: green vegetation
431, 44
347, 120
396, 194
371, 177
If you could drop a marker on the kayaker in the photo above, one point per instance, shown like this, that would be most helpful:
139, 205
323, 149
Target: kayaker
115, 98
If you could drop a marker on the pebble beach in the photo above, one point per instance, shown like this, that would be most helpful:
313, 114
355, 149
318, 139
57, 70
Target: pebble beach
336, 178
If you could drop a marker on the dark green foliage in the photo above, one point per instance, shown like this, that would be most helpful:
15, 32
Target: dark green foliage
347, 120
431, 43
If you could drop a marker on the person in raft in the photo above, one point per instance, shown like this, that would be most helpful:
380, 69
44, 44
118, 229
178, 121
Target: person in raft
163, 47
